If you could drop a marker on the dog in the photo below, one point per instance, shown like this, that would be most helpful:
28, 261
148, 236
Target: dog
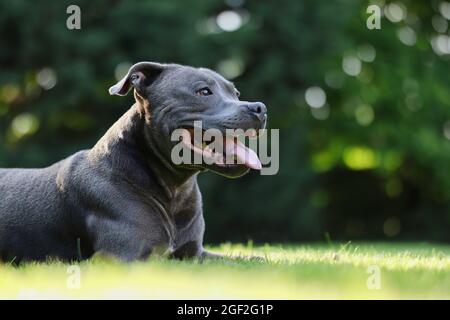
125, 197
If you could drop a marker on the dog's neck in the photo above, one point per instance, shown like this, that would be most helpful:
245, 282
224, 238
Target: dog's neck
129, 149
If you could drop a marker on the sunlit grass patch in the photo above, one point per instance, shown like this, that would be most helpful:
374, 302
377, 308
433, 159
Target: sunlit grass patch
285, 272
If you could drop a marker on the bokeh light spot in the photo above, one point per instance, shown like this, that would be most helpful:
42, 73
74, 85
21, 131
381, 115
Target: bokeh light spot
229, 20
395, 11
439, 24
367, 53
407, 36
315, 97
321, 113
360, 158
207, 26
121, 70
9, 93
46, 78
364, 115
441, 44
351, 65
323, 161
24, 124
231, 68
444, 9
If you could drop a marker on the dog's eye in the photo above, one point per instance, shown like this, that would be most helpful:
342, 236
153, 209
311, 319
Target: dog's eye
238, 94
204, 92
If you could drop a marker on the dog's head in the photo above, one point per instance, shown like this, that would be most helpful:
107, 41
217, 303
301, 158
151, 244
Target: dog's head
176, 97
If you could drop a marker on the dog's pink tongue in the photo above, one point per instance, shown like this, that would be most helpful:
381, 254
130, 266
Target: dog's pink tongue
245, 155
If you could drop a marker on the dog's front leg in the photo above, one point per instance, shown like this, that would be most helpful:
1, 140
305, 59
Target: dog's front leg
128, 241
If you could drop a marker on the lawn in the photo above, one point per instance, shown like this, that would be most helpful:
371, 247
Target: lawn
329, 271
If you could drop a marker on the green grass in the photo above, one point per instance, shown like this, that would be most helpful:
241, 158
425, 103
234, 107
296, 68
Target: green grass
415, 270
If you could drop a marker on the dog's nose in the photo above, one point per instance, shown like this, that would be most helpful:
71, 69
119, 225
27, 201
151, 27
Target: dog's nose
257, 108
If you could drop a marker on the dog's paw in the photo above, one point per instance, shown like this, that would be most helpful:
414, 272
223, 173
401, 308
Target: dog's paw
231, 258
206, 255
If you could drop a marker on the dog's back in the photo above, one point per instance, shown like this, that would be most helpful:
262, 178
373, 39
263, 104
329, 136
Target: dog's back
32, 212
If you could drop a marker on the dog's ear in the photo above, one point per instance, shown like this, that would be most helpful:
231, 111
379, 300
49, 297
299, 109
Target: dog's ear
140, 76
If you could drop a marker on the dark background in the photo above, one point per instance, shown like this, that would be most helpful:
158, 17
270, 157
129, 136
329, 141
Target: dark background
372, 163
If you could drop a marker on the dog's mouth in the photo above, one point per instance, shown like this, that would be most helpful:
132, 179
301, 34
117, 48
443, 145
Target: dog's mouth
226, 151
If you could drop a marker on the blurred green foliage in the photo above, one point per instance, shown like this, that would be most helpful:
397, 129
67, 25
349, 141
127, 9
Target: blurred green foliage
369, 159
